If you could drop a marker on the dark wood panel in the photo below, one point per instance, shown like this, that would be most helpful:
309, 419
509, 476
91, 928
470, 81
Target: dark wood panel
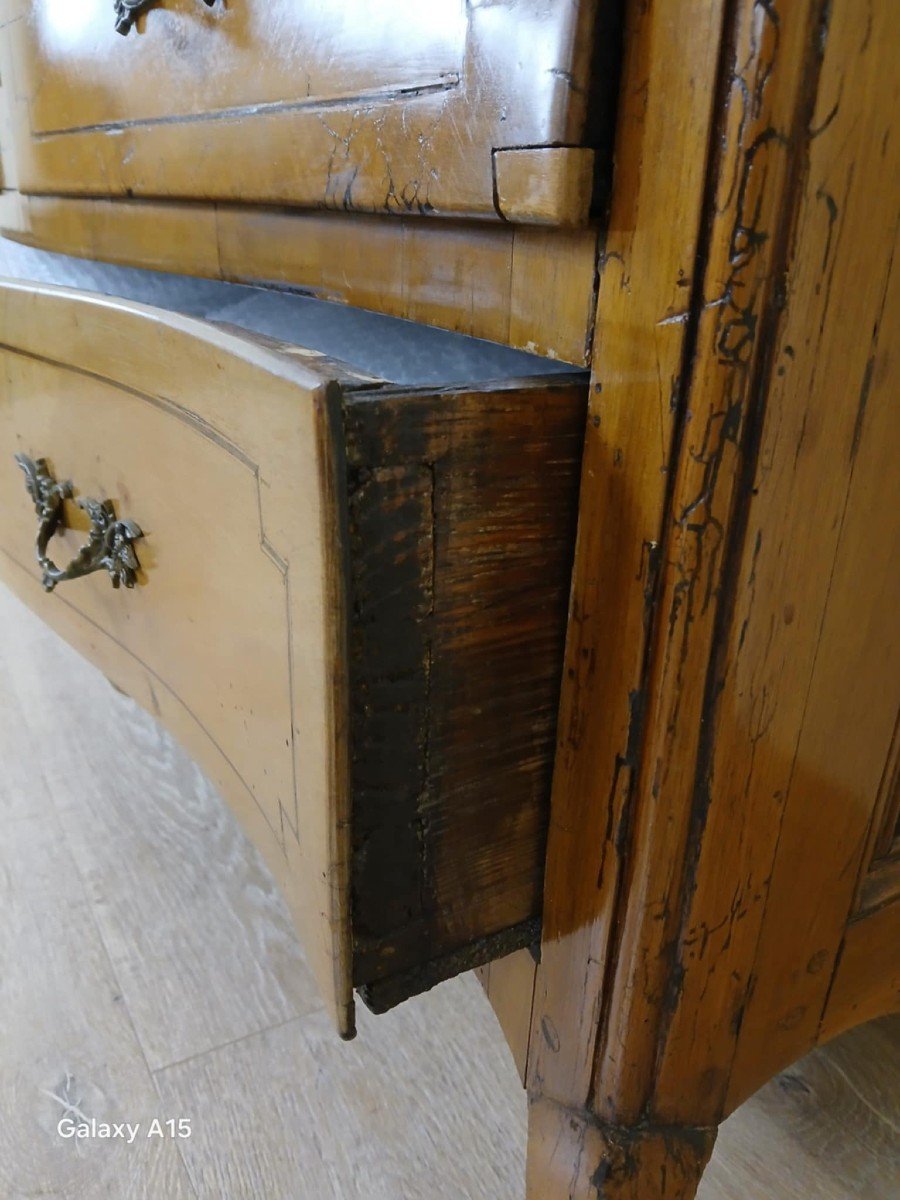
462, 524
389, 107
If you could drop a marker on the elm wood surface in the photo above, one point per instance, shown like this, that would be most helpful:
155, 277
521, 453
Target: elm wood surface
527, 287
884, 839
866, 979
808, 682
576, 1157
444, 521
644, 295
731, 689
239, 507
763, 602
392, 107
720, 763
881, 883
207, 1008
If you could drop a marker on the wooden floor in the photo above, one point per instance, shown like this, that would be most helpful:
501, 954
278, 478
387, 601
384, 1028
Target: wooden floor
149, 970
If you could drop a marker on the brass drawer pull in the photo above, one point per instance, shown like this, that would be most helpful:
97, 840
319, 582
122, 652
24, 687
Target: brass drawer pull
108, 545
127, 12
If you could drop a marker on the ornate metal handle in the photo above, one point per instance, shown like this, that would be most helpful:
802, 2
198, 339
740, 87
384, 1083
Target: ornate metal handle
127, 12
108, 545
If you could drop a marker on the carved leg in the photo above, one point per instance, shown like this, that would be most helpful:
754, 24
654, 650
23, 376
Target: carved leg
572, 1156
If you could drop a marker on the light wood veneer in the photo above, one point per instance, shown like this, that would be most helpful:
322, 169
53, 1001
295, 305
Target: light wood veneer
350, 605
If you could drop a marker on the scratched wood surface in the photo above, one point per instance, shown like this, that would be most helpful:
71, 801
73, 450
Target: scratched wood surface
744, 592
828, 683
730, 699
391, 107
734, 294
152, 971
644, 294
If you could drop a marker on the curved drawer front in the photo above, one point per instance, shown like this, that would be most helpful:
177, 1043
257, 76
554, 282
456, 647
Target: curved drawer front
374, 105
220, 451
347, 599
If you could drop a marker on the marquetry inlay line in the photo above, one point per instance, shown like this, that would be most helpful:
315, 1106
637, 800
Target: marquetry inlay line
380, 96
209, 433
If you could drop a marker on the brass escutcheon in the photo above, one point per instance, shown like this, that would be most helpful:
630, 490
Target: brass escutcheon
109, 545
127, 11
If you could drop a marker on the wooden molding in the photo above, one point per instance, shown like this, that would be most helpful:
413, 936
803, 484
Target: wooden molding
731, 680
573, 1155
550, 185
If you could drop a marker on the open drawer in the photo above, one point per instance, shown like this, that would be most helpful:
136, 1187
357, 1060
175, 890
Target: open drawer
444, 107
349, 596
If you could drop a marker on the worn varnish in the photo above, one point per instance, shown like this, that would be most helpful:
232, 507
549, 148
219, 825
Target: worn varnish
720, 885
395, 107
643, 301
579, 1157
725, 770
839, 648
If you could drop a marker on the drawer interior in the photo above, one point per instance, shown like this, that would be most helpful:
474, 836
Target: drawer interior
386, 348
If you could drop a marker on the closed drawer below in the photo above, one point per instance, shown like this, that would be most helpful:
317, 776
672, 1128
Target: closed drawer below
349, 604
387, 106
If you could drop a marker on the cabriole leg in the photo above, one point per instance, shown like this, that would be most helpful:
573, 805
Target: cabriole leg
572, 1156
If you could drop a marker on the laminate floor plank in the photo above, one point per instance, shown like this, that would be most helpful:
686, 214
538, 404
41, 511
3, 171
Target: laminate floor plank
159, 854
828, 1127
140, 927
411, 1110
68, 1045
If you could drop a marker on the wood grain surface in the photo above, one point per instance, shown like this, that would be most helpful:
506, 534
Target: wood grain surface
644, 294
392, 108
132, 900
461, 516
732, 680
526, 286
239, 655
299, 534
508, 983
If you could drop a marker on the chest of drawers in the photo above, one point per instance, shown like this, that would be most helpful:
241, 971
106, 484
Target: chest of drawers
352, 541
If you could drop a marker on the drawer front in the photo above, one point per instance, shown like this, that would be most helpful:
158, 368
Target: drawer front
220, 451
376, 105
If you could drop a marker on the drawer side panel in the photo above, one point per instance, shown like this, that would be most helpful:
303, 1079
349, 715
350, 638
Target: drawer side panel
386, 106
462, 520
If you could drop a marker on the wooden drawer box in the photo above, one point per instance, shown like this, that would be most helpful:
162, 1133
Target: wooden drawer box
350, 605
376, 106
